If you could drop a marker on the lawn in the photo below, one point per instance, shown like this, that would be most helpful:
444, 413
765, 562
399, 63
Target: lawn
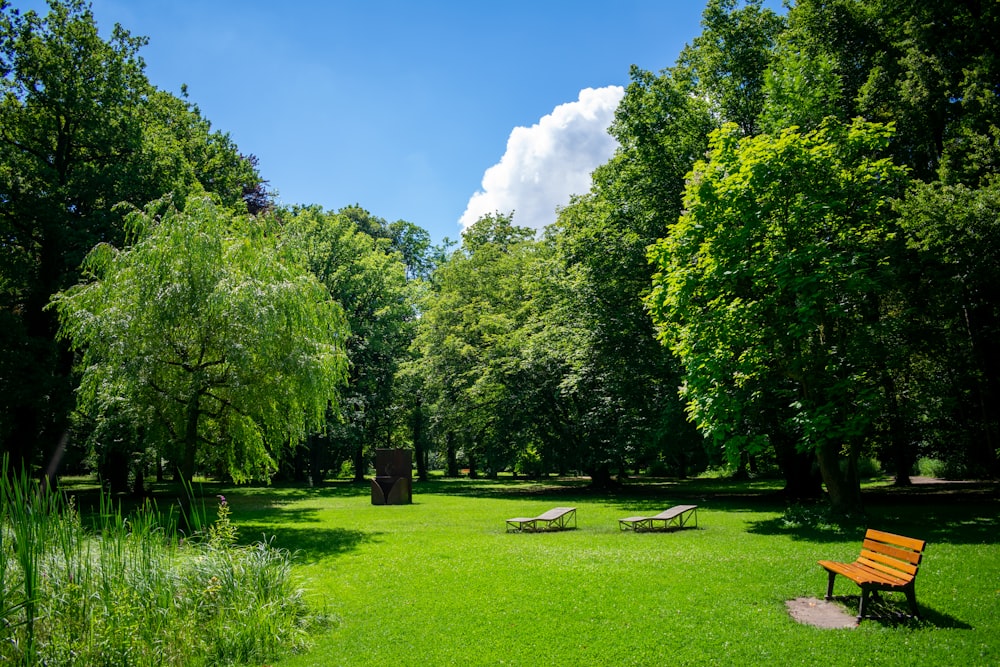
440, 582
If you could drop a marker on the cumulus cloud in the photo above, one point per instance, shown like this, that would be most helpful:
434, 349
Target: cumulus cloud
548, 162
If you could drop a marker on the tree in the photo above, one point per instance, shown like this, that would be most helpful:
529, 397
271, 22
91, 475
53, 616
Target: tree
81, 130
382, 316
467, 344
368, 278
727, 62
928, 67
210, 333
953, 233
624, 383
769, 289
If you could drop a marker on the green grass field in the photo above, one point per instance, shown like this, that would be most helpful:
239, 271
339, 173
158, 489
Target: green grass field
440, 582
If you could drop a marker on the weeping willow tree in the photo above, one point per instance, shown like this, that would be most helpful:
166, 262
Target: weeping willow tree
209, 333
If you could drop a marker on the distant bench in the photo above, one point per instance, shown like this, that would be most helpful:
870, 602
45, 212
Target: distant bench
557, 518
676, 517
887, 562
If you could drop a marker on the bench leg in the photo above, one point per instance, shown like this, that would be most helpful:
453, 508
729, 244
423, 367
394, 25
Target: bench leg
861, 604
829, 586
911, 597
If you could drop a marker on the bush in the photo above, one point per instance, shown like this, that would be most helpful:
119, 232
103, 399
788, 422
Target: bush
869, 467
529, 464
927, 467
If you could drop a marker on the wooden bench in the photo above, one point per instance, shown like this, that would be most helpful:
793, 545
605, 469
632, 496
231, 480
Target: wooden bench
887, 562
557, 518
675, 517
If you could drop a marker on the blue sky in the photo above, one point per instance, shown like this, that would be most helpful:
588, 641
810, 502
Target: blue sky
405, 107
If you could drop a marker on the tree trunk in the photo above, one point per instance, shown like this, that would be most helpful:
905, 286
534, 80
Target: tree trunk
802, 481
360, 464
114, 471
844, 490
902, 453
600, 477
451, 455
419, 446
191, 437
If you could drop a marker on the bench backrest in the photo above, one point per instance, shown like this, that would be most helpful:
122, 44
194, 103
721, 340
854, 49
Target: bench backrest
894, 555
674, 511
555, 513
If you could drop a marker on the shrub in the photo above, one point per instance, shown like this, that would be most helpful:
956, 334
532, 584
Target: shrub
928, 467
869, 467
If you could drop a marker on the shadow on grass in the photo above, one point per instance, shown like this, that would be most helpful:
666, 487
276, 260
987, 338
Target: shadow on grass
309, 545
949, 520
888, 611
948, 512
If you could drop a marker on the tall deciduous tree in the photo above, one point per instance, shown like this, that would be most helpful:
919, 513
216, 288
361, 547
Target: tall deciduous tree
368, 278
211, 334
727, 62
81, 130
930, 67
770, 284
954, 233
467, 339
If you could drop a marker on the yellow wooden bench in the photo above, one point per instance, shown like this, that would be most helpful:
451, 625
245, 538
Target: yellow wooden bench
675, 517
557, 518
887, 562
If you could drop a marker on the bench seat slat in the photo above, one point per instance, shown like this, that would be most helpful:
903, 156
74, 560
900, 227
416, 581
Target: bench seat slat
887, 574
862, 575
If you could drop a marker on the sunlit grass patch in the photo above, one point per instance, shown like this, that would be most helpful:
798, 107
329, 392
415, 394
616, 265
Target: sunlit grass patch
441, 582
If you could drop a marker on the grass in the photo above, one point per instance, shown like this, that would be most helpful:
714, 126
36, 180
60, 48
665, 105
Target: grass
439, 582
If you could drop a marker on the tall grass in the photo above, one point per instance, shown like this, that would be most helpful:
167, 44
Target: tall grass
135, 590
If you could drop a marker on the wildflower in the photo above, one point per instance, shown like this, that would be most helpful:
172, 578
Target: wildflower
222, 499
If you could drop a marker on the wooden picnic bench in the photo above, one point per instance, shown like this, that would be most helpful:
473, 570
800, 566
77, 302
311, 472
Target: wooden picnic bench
557, 518
675, 517
887, 562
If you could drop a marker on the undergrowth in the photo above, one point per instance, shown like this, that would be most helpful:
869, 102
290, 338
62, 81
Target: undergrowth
138, 590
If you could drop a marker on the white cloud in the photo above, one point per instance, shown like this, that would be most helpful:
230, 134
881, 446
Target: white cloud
548, 162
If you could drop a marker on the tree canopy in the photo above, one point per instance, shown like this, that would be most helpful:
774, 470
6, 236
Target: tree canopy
787, 267
770, 283
81, 131
208, 332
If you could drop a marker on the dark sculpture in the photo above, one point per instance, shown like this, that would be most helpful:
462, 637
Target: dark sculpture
393, 483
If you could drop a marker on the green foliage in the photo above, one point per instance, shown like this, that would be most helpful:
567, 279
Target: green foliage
208, 331
365, 274
81, 131
133, 593
468, 337
727, 62
953, 233
929, 67
767, 286
800, 90
617, 389
928, 467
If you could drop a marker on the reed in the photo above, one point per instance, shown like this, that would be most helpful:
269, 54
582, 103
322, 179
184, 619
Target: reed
133, 589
